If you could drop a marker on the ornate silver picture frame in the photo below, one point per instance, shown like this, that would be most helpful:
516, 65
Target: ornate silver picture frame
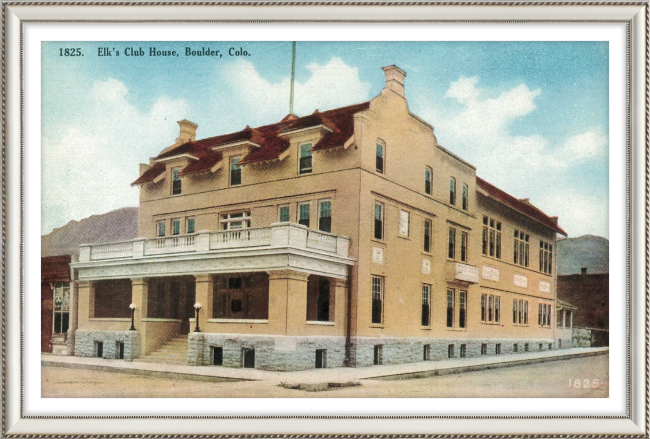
30, 25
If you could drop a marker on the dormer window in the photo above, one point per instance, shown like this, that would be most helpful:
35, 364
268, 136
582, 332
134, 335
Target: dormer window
305, 158
379, 161
235, 171
176, 181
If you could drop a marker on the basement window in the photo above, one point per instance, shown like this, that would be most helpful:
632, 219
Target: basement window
217, 356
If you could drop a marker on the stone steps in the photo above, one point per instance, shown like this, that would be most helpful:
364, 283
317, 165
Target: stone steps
172, 352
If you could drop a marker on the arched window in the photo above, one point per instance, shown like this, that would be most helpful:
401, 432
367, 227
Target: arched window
452, 191
380, 156
428, 177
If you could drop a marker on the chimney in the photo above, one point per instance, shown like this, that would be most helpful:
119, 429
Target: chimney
188, 131
554, 219
395, 79
583, 270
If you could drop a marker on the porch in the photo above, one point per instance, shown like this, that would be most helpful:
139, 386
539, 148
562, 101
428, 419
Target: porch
285, 280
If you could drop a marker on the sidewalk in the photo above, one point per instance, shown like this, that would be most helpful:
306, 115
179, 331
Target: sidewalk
315, 377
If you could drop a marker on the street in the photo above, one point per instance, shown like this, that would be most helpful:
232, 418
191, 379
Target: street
585, 377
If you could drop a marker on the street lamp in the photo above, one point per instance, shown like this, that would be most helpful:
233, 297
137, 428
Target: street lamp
132, 306
197, 308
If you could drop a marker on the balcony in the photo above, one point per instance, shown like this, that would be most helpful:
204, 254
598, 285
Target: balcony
280, 246
459, 272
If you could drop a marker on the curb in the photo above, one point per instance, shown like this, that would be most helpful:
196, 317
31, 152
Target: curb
144, 372
478, 367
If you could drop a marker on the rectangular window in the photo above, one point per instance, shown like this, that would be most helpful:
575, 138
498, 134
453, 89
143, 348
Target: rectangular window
283, 213
545, 257
379, 220
217, 356
451, 254
526, 347
525, 312
426, 305
427, 236
450, 351
451, 303
483, 348
465, 197
377, 299
426, 352
452, 191
464, 237
303, 214
119, 350
490, 308
463, 351
515, 347
462, 310
99, 349
235, 171
428, 177
189, 224
160, 228
520, 312
497, 349
61, 307
305, 158
379, 162
325, 216
515, 310
377, 357
404, 220
236, 220
176, 226
521, 248
321, 359
176, 181
491, 237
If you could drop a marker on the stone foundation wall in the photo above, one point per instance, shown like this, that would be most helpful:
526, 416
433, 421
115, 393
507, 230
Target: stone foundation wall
395, 350
581, 338
271, 352
299, 353
86, 343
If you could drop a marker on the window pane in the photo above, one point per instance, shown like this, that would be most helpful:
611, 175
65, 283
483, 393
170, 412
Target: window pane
304, 215
176, 226
190, 225
452, 244
325, 220
462, 316
379, 223
305, 150
379, 165
377, 299
450, 308
284, 214
427, 236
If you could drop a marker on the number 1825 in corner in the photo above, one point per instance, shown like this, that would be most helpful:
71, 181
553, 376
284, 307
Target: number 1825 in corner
585, 383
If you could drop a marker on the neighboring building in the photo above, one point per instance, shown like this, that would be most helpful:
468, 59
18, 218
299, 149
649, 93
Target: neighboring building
58, 248
586, 251
346, 237
564, 331
591, 292
55, 304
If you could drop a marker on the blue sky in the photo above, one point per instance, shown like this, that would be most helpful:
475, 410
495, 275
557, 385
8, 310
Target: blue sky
531, 116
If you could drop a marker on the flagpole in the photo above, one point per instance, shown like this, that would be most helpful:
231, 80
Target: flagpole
293, 75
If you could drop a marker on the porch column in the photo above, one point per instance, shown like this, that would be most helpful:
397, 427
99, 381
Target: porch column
74, 319
86, 294
204, 296
564, 318
340, 302
140, 297
571, 320
287, 302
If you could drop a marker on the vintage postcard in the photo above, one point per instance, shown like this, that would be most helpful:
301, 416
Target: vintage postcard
327, 219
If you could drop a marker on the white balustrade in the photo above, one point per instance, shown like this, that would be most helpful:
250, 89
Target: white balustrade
111, 251
278, 235
240, 238
321, 241
173, 244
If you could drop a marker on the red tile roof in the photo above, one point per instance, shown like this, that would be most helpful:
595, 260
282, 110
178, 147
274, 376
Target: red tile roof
518, 205
272, 144
150, 174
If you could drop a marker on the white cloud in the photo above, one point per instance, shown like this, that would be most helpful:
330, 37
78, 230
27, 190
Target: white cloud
464, 89
330, 85
524, 165
96, 158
